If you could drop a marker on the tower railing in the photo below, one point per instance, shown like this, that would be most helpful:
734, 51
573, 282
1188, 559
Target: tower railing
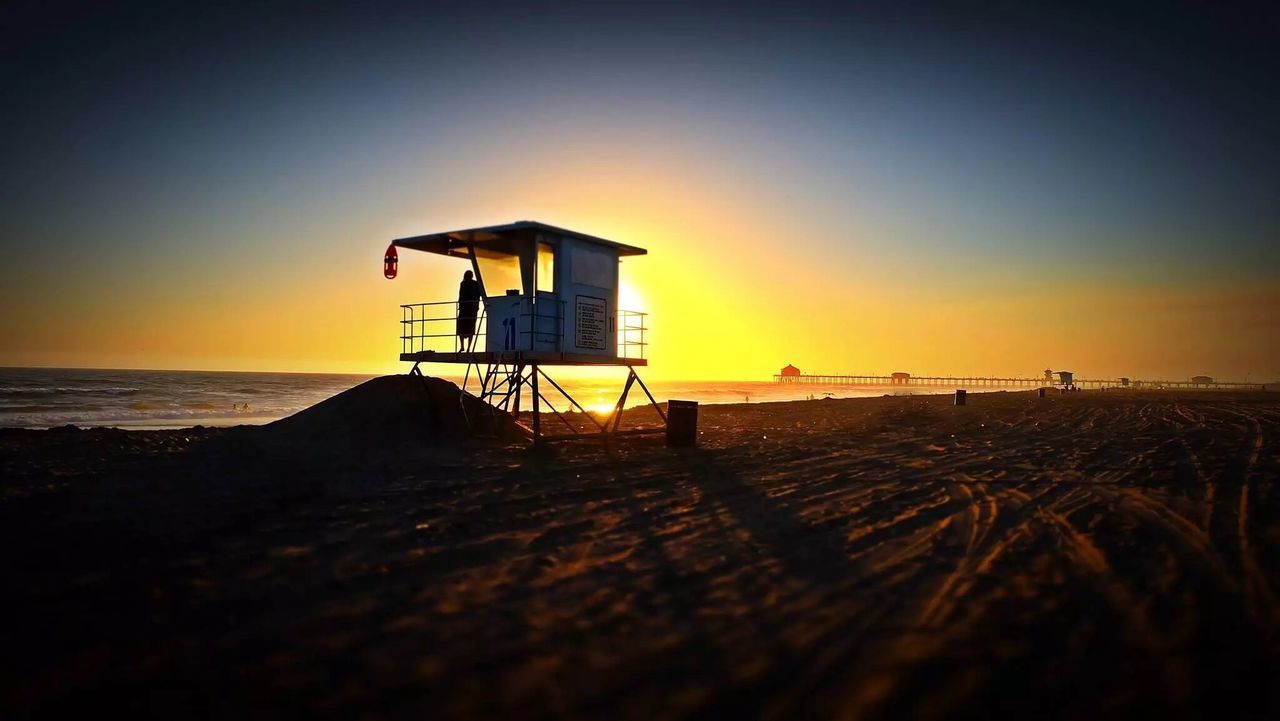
434, 327
632, 325
545, 324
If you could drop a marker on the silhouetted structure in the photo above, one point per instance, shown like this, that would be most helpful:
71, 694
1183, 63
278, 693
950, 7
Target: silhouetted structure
789, 371
558, 307
1004, 381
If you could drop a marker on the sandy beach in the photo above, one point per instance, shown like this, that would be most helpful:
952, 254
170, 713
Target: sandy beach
1079, 556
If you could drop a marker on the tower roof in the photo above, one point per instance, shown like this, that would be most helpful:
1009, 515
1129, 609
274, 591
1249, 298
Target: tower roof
500, 240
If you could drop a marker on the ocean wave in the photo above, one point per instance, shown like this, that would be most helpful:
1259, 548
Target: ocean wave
53, 397
42, 390
135, 417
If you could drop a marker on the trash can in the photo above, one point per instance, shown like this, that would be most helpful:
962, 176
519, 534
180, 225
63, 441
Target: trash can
682, 423
960, 397
1040, 392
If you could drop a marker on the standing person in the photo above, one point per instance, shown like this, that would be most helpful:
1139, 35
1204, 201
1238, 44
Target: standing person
468, 308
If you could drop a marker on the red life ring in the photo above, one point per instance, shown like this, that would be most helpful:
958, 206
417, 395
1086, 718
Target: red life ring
389, 262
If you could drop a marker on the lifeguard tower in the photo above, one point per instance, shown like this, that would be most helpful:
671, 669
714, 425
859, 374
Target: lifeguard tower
549, 297
1066, 379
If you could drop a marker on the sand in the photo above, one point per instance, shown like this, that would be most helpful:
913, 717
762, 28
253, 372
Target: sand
1095, 555
394, 410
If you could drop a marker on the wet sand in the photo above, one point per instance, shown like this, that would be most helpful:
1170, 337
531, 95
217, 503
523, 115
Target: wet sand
1082, 556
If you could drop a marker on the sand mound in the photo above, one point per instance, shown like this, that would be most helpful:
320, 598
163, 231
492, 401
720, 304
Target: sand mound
397, 409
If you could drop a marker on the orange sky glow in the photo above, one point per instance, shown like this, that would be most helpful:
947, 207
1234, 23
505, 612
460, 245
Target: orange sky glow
926, 205
734, 290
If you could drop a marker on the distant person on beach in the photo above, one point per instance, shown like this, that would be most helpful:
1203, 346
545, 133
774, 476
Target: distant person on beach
468, 308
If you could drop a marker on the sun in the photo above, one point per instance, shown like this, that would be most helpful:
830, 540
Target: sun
599, 408
630, 298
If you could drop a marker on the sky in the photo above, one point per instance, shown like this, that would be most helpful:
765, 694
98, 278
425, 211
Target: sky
862, 188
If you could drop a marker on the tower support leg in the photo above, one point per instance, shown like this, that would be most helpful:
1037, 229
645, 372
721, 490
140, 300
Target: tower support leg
537, 412
515, 412
622, 400
645, 388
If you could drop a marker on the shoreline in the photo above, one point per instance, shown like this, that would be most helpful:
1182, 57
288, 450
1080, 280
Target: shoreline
258, 420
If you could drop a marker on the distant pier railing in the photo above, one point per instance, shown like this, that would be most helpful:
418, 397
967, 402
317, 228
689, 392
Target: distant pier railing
999, 382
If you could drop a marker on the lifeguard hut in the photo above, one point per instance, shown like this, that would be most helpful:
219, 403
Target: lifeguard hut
549, 297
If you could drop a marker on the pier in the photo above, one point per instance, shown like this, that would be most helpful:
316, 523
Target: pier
902, 379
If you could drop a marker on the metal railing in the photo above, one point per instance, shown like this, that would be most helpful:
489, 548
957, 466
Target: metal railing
434, 327
536, 328
631, 327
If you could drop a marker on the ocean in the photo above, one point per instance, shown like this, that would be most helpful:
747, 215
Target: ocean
148, 399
